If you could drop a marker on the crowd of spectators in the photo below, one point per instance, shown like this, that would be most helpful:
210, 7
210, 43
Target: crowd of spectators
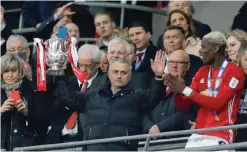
193, 78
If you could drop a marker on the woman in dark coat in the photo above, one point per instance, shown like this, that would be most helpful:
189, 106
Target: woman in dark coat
17, 105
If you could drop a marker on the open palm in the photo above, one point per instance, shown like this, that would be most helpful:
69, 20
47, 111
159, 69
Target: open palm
158, 64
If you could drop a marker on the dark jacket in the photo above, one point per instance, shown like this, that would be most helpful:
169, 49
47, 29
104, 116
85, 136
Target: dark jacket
196, 64
240, 21
145, 66
5, 33
35, 12
109, 115
18, 130
60, 114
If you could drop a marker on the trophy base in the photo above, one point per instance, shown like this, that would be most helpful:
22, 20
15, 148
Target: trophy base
55, 72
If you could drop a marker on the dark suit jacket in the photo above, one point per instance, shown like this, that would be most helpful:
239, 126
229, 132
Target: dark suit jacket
145, 66
60, 114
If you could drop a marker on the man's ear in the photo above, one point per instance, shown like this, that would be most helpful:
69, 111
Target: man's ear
188, 67
149, 35
216, 49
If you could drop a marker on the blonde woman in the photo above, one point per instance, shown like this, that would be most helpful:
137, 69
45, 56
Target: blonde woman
234, 41
17, 97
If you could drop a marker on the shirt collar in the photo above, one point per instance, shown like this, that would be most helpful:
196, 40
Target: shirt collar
90, 80
143, 51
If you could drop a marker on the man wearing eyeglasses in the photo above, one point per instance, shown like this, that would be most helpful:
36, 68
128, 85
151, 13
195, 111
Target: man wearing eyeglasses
165, 117
18, 44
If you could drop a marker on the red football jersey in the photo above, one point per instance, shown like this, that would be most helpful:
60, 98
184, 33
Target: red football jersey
226, 103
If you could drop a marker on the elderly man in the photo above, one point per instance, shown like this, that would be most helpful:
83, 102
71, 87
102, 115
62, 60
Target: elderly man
107, 110
216, 88
18, 44
165, 117
174, 37
105, 25
120, 49
66, 124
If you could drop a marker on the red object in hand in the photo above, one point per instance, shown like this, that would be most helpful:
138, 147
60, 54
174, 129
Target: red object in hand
15, 95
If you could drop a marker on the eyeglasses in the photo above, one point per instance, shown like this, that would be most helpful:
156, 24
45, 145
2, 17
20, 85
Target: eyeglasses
19, 49
177, 62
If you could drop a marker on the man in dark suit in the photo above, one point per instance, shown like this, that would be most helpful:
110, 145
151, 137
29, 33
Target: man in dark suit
140, 35
240, 21
67, 124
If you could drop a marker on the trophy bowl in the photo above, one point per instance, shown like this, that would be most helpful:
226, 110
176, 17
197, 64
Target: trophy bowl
56, 56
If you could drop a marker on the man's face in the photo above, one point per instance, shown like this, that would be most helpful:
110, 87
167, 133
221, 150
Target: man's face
243, 61
173, 40
139, 37
104, 25
87, 65
119, 75
178, 64
73, 30
18, 47
116, 51
181, 5
207, 53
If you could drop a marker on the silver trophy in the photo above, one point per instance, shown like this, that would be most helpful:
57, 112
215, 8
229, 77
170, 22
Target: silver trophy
56, 56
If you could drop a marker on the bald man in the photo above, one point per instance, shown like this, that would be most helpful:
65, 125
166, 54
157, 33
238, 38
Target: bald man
165, 117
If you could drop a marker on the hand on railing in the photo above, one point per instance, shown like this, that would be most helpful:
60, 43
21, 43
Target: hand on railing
154, 130
193, 124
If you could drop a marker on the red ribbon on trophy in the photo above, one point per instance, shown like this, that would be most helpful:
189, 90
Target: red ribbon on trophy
73, 59
40, 65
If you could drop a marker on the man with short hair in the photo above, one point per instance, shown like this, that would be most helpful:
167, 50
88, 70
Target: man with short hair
107, 110
140, 35
18, 44
165, 116
216, 88
174, 37
66, 124
105, 25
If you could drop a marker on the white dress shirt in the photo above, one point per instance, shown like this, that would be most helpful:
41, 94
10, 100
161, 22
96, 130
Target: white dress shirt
74, 130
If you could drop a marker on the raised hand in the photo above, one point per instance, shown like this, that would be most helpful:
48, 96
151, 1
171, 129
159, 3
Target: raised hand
61, 11
158, 64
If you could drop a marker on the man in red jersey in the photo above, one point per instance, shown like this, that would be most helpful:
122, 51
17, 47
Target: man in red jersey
216, 88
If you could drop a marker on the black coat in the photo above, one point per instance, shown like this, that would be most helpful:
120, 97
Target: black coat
5, 33
18, 130
109, 115
60, 114
196, 64
145, 66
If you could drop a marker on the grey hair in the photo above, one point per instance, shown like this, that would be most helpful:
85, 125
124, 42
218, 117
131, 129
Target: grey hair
216, 38
89, 49
128, 47
123, 61
10, 62
16, 37
191, 7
